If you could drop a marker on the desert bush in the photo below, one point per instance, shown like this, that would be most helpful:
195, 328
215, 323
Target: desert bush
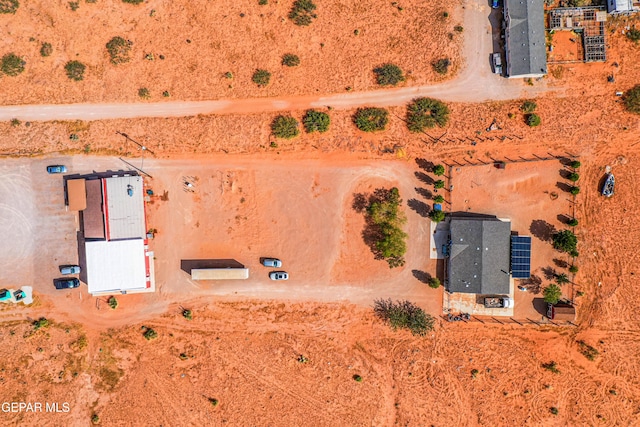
633, 34
316, 121
575, 164
533, 120
458, 28
438, 199
302, 12
632, 99
302, 359
574, 190
425, 113
290, 60
9, 6
213, 402
132, 1
228, 75
144, 93
112, 302
438, 170
434, 283
371, 119
166, 94
572, 222
261, 77
40, 323
404, 315
553, 410
95, 419
565, 241
149, 334
187, 314
74, 5
11, 64
573, 177
119, 49
263, 2
437, 216
588, 351
388, 75
551, 366
528, 107
75, 70
441, 66
46, 49
552, 293
357, 378
474, 373
285, 127
573, 269
385, 215
438, 184
15, 122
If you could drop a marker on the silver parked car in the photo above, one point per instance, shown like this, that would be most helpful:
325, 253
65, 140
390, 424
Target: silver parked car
279, 275
69, 269
272, 262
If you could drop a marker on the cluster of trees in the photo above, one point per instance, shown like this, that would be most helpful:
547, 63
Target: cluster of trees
287, 127
384, 215
404, 315
528, 108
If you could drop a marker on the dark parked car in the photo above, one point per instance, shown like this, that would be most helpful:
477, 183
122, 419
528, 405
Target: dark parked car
66, 283
19, 295
56, 169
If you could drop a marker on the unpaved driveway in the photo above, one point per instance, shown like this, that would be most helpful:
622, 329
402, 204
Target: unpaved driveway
475, 83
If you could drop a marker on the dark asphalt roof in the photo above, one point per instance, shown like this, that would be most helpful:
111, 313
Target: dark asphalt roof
525, 37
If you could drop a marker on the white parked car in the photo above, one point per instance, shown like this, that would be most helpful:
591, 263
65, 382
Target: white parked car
272, 262
279, 275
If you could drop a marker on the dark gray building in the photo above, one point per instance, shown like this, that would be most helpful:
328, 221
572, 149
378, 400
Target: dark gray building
478, 260
525, 49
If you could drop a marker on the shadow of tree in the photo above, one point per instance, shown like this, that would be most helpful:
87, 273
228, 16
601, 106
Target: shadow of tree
427, 194
563, 218
540, 305
423, 177
420, 207
564, 173
359, 202
542, 230
549, 273
422, 276
564, 186
560, 263
533, 284
425, 164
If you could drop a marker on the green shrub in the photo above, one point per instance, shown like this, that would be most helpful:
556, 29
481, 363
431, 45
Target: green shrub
574, 253
357, 378
441, 66
573, 177
434, 283
118, 49
573, 269
187, 314
528, 107
144, 93
316, 121
46, 49
228, 75
632, 99
474, 373
12, 64
388, 75
40, 323
588, 351
551, 366
552, 293
290, 60
458, 28
404, 315
438, 199
565, 241
285, 127
113, 303
533, 120
437, 216
15, 122
74, 5
9, 6
371, 119
261, 77
302, 12
263, 2
166, 94
572, 222
633, 34
438, 170
75, 70
575, 190
438, 184
149, 334
553, 410
95, 419
133, 1
386, 220
425, 113
213, 402
575, 164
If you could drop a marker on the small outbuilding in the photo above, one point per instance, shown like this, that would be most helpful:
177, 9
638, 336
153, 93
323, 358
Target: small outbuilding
561, 311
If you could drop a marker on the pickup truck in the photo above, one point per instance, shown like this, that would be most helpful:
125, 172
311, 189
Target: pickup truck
498, 302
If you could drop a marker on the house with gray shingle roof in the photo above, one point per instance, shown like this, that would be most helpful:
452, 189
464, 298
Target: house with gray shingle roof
525, 48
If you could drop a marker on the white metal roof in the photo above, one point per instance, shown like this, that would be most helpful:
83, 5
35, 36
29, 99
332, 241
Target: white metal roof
115, 266
125, 208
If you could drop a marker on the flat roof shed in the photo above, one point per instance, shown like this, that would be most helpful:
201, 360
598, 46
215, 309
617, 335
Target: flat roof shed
92, 215
124, 207
76, 194
116, 266
219, 273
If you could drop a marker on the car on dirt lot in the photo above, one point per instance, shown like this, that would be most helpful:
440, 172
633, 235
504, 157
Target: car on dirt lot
19, 295
494, 4
279, 275
272, 262
5, 295
69, 269
56, 169
66, 283
497, 63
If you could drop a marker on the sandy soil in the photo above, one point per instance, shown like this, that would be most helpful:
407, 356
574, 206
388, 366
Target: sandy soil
202, 40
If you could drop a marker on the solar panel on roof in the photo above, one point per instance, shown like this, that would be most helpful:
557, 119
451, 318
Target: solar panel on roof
521, 257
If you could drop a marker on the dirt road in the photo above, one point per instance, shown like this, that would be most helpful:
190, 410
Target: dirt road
475, 83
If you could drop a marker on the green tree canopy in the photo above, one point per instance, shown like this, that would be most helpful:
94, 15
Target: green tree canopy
565, 241
552, 293
426, 113
285, 127
632, 99
438, 170
388, 75
316, 121
371, 119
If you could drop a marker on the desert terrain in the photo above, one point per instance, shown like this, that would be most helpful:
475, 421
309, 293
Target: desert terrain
264, 354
